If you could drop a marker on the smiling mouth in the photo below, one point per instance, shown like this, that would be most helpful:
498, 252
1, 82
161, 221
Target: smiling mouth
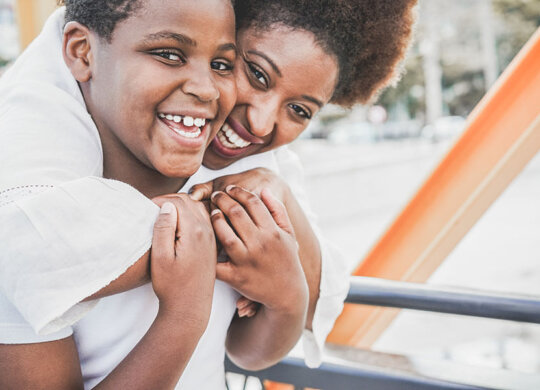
230, 138
184, 125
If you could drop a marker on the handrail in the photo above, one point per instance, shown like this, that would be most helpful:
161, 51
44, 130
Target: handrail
405, 295
383, 371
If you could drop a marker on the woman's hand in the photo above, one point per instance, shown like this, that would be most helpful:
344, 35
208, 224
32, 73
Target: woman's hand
253, 180
264, 266
183, 258
260, 243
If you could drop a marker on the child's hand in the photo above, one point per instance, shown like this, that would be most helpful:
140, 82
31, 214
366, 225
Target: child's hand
264, 264
246, 307
183, 260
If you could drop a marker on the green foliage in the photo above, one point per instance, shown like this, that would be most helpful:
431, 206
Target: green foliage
462, 79
521, 18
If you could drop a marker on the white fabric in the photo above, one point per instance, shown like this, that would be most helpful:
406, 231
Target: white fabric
335, 272
55, 208
70, 212
110, 331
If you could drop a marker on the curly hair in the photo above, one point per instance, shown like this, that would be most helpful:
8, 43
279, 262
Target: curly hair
369, 38
100, 16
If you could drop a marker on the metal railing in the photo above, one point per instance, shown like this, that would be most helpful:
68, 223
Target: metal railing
375, 370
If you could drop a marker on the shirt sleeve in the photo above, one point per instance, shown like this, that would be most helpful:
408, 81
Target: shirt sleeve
334, 284
14, 329
64, 243
65, 232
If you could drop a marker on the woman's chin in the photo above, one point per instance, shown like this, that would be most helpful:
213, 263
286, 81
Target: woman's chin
218, 156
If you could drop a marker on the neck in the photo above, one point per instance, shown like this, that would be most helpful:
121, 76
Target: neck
120, 164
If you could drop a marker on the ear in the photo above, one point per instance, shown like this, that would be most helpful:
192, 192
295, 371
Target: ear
77, 50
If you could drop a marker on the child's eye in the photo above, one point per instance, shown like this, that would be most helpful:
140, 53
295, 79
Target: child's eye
300, 111
257, 74
169, 55
221, 66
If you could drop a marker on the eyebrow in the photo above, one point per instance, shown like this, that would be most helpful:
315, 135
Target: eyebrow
267, 59
170, 35
227, 46
313, 100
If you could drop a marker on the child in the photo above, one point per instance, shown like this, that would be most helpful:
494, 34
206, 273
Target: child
136, 64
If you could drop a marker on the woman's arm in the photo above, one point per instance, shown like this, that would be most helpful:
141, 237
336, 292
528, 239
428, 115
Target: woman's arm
309, 250
263, 266
183, 274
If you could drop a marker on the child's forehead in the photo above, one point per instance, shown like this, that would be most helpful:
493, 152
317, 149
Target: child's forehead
177, 15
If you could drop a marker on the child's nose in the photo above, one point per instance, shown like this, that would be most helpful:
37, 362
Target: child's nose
202, 85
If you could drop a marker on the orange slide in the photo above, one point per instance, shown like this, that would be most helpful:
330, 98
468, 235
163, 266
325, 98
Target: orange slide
502, 136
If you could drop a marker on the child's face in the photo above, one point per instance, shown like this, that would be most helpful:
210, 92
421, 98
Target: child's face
162, 88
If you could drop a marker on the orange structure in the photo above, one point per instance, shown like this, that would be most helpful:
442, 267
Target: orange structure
31, 15
502, 136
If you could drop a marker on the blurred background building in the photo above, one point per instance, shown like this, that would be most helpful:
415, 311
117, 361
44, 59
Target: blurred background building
363, 165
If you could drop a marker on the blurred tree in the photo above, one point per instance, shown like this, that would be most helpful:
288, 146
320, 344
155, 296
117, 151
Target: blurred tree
520, 18
462, 42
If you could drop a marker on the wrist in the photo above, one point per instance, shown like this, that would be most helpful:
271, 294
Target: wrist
179, 323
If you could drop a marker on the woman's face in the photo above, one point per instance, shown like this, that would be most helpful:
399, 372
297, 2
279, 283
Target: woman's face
283, 78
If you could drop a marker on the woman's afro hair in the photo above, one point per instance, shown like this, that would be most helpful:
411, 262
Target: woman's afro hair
369, 38
100, 16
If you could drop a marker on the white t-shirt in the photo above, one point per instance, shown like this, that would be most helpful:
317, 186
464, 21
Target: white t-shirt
66, 231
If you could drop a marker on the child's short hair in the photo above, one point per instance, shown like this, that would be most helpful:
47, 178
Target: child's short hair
368, 37
100, 16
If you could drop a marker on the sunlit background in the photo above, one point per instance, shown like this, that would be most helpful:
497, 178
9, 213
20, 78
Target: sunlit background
363, 165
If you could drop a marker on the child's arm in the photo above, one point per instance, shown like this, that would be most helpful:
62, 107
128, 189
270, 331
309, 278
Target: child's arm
183, 274
263, 266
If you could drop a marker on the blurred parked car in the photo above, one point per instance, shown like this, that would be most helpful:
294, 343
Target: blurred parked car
353, 133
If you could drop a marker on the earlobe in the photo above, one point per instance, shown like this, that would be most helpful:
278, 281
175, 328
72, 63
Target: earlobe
77, 51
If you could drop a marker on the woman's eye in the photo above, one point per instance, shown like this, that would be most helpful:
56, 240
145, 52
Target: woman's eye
258, 75
300, 111
221, 66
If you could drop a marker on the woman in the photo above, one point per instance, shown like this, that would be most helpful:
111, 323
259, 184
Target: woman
293, 112
272, 77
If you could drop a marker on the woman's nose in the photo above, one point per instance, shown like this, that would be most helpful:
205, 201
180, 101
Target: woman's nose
261, 119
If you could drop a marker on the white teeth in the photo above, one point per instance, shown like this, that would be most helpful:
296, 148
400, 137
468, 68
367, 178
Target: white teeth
231, 139
187, 134
188, 121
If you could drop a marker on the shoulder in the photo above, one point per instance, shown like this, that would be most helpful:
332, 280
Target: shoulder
47, 135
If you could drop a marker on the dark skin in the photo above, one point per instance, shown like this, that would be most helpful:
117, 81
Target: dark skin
283, 78
244, 334
255, 181
188, 80
274, 104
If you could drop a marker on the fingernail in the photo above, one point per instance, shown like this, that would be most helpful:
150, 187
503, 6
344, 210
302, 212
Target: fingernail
229, 187
167, 208
215, 211
214, 194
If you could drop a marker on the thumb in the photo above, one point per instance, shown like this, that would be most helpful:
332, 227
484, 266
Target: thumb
278, 211
163, 241
202, 191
